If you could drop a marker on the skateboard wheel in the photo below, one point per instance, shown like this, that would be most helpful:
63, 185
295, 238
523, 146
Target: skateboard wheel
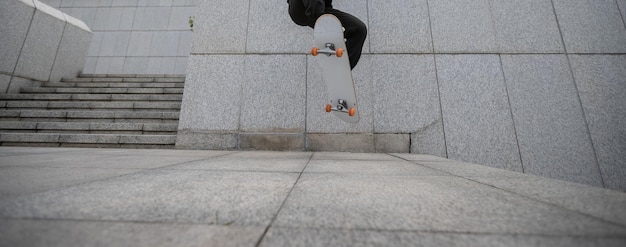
329, 108
351, 112
314, 51
339, 52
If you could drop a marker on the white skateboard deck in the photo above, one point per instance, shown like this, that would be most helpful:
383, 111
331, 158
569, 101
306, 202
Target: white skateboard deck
328, 43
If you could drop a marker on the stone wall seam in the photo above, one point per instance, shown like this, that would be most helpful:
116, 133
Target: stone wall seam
586, 121
19, 57
443, 121
56, 54
621, 12
508, 97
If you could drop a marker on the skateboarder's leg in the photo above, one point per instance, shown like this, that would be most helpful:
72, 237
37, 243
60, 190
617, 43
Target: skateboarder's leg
355, 34
297, 11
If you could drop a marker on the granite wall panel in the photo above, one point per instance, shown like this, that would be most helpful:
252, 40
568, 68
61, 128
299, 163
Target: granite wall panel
591, 26
601, 81
549, 120
476, 114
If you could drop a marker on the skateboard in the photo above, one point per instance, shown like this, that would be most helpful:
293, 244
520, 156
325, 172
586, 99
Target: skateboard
330, 49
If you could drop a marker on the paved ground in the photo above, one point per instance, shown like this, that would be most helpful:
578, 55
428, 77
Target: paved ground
116, 197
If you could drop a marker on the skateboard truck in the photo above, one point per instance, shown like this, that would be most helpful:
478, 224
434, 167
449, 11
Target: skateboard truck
329, 50
342, 106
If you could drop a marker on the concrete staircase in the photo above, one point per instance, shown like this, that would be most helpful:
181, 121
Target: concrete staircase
124, 111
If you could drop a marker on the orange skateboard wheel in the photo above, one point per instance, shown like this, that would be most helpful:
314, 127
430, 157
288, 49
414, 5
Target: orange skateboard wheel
339, 52
329, 108
314, 51
351, 112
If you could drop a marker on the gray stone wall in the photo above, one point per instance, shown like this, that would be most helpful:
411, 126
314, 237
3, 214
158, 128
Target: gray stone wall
536, 86
134, 36
39, 43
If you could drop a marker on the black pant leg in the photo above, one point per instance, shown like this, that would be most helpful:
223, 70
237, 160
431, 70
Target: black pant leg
297, 14
355, 34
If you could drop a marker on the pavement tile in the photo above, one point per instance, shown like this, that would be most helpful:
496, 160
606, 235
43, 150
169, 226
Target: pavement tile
462, 169
279, 236
16, 181
272, 155
380, 167
100, 158
253, 161
187, 153
427, 204
86, 233
95, 160
601, 203
13, 151
59, 159
351, 156
117, 197
420, 157
153, 152
175, 196
246, 164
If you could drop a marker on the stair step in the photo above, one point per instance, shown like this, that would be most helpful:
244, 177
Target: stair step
89, 115
114, 84
87, 140
114, 111
110, 90
86, 127
127, 79
94, 105
130, 76
97, 97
